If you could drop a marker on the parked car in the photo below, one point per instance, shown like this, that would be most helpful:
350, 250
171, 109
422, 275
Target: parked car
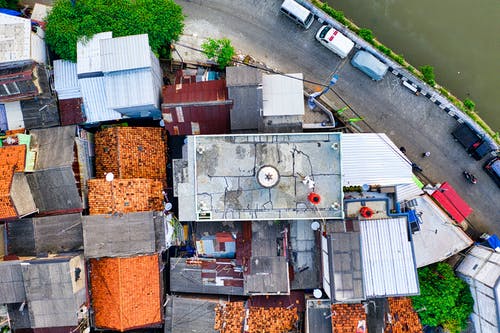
301, 15
472, 141
492, 167
334, 41
368, 64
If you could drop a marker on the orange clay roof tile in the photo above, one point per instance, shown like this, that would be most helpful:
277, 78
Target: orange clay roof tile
12, 159
126, 292
131, 152
404, 319
124, 195
345, 317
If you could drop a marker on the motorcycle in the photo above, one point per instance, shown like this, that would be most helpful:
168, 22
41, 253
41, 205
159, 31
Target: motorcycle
470, 177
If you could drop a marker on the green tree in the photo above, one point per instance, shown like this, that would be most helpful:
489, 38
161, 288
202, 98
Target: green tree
162, 20
220, 50
428, 74
11, 4
444, 298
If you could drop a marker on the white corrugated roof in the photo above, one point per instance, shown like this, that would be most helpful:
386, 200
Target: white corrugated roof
372, 158
482, 264
88, 53
130, 88
388, 262
283, 96
123, 53
66, 80
94, 100
15, 38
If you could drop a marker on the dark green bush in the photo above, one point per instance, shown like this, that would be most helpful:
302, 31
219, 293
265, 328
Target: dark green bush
384, 49
366, 34
469, 104
336, 14
428, 74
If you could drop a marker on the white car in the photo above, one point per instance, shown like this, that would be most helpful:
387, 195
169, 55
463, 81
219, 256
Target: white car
335, 41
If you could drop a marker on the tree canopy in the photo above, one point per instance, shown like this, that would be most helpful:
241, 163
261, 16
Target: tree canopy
220, 50
444, 298
162, 20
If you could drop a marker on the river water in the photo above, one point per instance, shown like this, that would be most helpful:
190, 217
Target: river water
459, 38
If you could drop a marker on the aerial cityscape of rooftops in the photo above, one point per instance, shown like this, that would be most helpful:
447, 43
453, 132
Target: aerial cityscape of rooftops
176, 173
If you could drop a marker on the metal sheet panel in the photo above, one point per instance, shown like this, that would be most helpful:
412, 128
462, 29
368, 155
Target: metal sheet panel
11, 283
125, 53
14, 38
282, 95
94, 100
130, 88
88, 54
387, 256
372, 158
14, 115
66, 80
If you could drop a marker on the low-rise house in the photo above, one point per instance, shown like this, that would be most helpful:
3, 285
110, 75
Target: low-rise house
481, 270
118, 77
131, 152
124, 196
121, 236
45, 293
38, 236
196, 108
68, 91
16, 199
244, 85
126, 292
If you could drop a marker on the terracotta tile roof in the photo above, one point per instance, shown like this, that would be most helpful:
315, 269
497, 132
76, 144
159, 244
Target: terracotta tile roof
403, 319
131, 152
126, 292
230, 318
346, 317
272, 320
124, 195
12, 159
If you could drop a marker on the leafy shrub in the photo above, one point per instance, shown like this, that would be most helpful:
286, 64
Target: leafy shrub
469, 104
384, 49
219, 50
428, 74
336, 14
399, 59
366, 34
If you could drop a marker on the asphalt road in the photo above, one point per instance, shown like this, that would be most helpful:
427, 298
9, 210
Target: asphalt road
256, 28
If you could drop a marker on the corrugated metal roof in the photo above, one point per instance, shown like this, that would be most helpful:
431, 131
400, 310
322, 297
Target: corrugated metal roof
282, 95
66, 80
452, 202
204, 91
130, 88
38, 48
372, 158
481, 264
388, 262
124, 53
70, 111
243, 76
14, 38
94, 100
88, 54
407, 192
191, 120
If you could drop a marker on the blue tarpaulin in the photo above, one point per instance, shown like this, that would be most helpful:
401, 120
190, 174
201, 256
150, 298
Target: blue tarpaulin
10, 12
494, 242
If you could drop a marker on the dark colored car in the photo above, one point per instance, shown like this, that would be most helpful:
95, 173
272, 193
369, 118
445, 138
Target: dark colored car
492, 167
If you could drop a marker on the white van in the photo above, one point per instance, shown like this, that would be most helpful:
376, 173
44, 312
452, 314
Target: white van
334, 41
298, 13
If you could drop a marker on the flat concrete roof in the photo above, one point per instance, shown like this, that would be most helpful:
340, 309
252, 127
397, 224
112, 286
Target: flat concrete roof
223, 183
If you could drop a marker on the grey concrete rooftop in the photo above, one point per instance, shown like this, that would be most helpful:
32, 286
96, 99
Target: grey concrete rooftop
221, 178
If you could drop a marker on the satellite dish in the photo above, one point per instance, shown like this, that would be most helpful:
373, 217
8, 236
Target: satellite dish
315, 225
317, 293
365, 187
110, 177
168, 206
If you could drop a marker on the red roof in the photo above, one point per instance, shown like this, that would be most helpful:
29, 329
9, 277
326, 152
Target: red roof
449, 199
203, 91
70, 111
196, 108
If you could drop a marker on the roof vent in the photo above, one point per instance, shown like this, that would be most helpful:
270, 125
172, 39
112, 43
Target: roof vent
268, 176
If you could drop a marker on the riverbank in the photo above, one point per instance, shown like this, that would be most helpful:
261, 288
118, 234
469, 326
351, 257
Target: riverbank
437, 93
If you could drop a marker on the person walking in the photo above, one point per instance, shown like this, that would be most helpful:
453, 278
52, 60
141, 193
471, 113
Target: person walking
426, 154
